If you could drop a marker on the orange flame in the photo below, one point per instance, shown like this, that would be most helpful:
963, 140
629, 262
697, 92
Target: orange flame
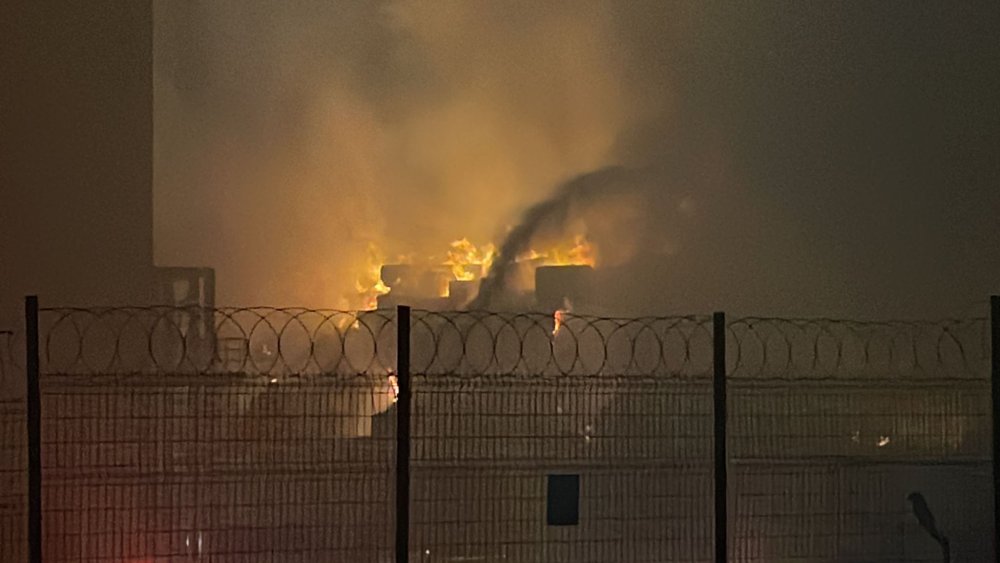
467, 261
579, 253
370, 285
558, 318
394, 385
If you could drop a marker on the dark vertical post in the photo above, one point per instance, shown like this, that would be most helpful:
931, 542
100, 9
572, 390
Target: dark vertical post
995, 396
721, 460
403, 434
34, 418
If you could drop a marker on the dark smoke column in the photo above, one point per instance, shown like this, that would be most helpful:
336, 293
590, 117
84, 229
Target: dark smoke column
552, 213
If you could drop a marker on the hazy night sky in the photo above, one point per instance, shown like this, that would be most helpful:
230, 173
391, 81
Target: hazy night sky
839, 159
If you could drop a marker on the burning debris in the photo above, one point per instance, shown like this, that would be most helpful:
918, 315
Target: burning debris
454, 281
469, 262
371, 285
548, 254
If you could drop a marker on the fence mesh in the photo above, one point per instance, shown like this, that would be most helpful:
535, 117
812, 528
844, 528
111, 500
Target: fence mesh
503, 401
268, 435
241, 435
834, 423
13, 454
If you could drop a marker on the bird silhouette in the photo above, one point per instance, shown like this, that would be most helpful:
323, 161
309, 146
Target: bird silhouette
926, 520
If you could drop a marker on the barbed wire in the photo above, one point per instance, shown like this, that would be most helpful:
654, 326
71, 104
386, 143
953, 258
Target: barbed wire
481, 343
193, 340
829, 348
297, 341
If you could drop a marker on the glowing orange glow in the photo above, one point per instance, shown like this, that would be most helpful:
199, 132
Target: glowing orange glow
582, 252
465, 261
347, 320
558, 318
579, 253
370, 284
394, 385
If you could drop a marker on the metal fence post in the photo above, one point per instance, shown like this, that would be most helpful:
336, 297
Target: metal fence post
34, 428
721, 460
403, 434
995, 404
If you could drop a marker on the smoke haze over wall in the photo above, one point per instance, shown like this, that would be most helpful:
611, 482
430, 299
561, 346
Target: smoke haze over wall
291, 135
807, 161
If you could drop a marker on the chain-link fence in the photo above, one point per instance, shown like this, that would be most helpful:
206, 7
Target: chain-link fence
270, 435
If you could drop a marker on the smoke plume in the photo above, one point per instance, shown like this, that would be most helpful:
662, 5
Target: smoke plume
570, 200
806, 161
293, 137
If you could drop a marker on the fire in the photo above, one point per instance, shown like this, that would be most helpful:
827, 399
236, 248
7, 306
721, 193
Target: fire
467, 261
582, 252
394, 385
558, 318
579, 253
370, 285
